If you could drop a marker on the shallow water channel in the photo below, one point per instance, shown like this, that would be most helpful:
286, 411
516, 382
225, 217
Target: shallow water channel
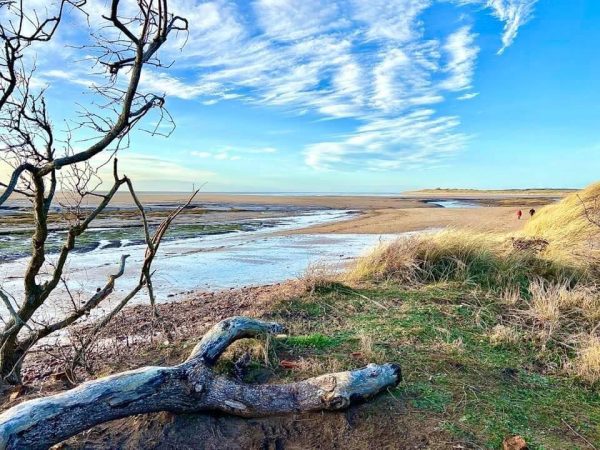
208, 262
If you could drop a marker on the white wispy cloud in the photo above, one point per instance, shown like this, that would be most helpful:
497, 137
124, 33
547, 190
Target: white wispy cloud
201, 154
387, 20
412, 140
371, 61
468, 96
514, 14
231, 154
462, 52
219, 156
150, 171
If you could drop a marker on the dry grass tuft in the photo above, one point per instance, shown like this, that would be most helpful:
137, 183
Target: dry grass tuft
319, 277
567, 227
483, 259
395, 260
314, 366
366, 345
553, 316
504, 335
552, 301
545, 302
587, 363
511, 296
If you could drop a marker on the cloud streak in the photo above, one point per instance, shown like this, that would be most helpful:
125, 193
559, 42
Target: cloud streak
372, 62
514, 14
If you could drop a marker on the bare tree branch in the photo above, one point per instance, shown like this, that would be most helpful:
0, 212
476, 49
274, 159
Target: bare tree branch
30, 145
11, 186
590, 211
144, 280
94, 301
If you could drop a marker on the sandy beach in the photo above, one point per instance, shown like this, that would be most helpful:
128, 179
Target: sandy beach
381, 214
384, 221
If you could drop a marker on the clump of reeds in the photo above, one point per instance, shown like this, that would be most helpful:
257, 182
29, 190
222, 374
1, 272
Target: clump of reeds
586, 365
483, 259
503, 335
559, 319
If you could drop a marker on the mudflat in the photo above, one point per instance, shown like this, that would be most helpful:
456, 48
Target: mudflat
232, 199
411, 211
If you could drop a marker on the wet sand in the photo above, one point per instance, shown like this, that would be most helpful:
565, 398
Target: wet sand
416, 199
384, 221
302, 201
122, 199
399, 213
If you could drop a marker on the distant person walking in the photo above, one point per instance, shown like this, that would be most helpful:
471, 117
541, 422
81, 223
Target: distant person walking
519, 214
531, 212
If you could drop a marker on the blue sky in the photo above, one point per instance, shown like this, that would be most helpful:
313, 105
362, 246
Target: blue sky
365, 96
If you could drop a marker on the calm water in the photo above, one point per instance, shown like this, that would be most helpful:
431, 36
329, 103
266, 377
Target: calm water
211, 262
454, 203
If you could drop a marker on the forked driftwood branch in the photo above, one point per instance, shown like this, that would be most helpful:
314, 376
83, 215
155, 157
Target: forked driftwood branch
189, 387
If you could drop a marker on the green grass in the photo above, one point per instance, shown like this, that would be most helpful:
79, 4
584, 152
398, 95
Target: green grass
479, 393
315, 341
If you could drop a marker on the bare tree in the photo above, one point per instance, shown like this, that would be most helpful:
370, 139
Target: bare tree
122, 48
19, 31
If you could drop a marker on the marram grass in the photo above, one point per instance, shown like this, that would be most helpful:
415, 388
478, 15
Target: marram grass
565, 224
483, 259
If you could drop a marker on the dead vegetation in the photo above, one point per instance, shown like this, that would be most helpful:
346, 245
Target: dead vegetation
572, 226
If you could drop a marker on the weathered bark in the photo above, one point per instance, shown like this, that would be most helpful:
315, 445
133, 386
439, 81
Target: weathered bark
11, 356
190, 387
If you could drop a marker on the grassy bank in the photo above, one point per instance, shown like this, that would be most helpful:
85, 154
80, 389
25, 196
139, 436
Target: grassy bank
572, 226
497, 334
545, 278
465, 384
477, 387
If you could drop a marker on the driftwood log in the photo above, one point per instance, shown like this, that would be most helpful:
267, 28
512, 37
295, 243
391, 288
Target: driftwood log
189, 387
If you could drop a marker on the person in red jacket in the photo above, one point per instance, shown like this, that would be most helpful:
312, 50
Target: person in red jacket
519, 214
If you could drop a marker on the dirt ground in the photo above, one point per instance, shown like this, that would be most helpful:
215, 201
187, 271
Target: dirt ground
390, 427
387, 422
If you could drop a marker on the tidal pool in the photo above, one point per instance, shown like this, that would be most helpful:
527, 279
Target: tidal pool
454, 203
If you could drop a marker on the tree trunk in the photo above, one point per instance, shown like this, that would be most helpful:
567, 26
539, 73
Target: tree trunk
11, 358
190, 387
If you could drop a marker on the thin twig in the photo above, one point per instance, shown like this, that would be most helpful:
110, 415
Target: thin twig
579, 434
